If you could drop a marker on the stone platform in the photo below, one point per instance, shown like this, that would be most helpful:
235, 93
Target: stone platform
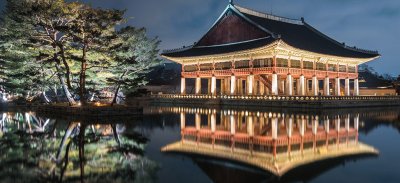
315, 102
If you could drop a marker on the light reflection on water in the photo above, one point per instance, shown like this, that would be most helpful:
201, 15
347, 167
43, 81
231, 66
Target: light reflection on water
34, 148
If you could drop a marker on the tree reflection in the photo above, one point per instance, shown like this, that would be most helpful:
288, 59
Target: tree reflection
35, 149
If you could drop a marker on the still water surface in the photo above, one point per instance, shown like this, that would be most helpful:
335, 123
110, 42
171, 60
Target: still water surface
35, 148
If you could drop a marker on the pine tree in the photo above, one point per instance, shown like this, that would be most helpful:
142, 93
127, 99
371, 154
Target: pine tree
135, 55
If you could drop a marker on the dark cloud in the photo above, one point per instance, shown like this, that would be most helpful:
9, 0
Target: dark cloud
368, 24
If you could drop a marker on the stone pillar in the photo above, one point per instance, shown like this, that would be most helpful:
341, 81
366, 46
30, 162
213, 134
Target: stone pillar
209, 86
222, 86
233, 85
233, 124
183, 120
302, 127
213, 85
337, 124
213, 122
315, 125
198, 86
261, 88
347, 122
256, 89
326, 86
183, 85
337, 86
282, 85
250, 127
301, 85
289, 127
315, 86
347, 87
274, 128
239, 86
197, 120
250, 84
289, 85
326, 125
356, 121
274, 84
356, 89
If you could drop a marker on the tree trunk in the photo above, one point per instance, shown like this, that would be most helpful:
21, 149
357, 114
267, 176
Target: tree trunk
82, 78
56, 93
67, 69
115, 95
45, 96
118, 88
71, 100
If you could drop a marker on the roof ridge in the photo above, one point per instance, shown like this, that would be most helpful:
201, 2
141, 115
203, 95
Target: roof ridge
177, 49
269, 16
337, 42
233, 43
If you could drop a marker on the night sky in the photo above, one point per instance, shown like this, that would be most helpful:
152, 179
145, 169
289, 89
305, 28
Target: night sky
367, 24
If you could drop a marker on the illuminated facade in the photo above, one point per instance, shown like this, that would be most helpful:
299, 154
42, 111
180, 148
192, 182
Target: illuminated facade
251, 53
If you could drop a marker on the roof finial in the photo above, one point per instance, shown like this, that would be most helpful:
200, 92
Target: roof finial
230, 1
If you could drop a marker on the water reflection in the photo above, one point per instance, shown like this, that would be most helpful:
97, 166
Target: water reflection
38, 149
277, 142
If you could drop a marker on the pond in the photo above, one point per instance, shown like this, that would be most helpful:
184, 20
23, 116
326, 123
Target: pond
198, 144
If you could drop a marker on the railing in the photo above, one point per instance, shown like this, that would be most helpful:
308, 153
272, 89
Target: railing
269, 70
279, 98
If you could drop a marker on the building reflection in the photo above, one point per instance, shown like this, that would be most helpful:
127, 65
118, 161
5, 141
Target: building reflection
274, 141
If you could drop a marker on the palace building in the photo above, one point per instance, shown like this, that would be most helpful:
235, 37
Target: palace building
252, 53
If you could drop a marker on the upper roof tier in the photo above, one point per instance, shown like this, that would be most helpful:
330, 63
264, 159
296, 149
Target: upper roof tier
240, 28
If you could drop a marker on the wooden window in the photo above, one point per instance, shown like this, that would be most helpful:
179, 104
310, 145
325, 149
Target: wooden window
332, 67
321, 66
267, 62
352, 69
280, 62
223, 65
206, 67
342, 68
242, 64
308, 65
295, 64
190, 68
